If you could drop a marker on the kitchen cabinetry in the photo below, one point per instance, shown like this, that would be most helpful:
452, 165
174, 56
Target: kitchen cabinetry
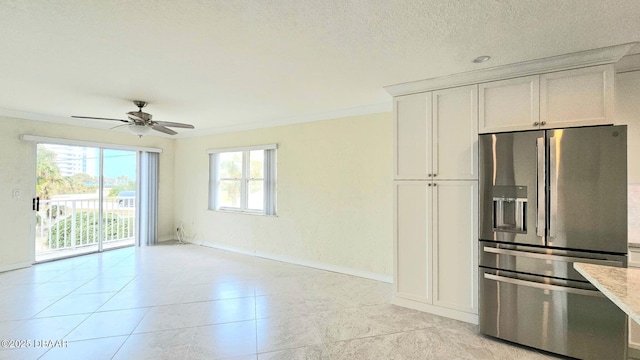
577, 97
509, 105
436, 122
435, 171
430, 128
634, 327
436, 252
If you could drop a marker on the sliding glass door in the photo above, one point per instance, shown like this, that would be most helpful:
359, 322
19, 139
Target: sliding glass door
85, 200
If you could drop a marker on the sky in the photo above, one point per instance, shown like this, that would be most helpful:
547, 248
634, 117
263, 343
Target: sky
76, 159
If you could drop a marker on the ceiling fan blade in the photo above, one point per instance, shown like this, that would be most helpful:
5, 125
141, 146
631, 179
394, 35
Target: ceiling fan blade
174, 124
118, 126
98, 118
163, 129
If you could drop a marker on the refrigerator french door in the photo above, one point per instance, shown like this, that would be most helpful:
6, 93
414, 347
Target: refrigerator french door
550, 198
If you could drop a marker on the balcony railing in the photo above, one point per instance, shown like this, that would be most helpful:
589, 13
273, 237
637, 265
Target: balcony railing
64, 224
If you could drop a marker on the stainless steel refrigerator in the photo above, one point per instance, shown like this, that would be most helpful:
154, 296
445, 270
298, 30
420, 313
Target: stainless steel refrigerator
550, 198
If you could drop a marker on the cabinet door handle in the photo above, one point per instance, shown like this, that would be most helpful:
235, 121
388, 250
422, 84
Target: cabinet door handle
429, 175
434, 184
543, 123
434, 175
536, 123
429, 184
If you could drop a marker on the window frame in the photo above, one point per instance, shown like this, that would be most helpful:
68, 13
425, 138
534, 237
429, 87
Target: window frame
268, 179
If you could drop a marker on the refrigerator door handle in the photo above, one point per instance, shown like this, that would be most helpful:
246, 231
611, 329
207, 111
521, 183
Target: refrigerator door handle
542, 286
553, 184
551, 257
540, 219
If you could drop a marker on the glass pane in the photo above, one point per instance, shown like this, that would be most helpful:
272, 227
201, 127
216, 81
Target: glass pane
67, 184
256, 164
119, 203
229, 194
256, 195
230, 165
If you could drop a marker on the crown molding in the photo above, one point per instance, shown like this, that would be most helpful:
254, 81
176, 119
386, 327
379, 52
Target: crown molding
327, 115
594, 57
628, 63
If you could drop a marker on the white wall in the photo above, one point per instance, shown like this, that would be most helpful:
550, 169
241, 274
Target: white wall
628, 112
334, 194
17, 171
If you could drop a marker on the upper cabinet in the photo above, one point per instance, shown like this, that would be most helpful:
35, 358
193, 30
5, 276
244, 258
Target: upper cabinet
576, 97
435, 135
455, 129
509, 105
412, 135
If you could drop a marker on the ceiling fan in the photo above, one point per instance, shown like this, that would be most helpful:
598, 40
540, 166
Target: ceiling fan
140, 123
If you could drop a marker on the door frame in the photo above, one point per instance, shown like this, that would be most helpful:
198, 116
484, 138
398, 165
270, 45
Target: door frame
35, 140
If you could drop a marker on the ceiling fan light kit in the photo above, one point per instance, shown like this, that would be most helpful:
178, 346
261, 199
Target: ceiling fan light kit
139, 130
140, 123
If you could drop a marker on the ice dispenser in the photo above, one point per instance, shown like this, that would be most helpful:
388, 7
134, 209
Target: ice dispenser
510, 208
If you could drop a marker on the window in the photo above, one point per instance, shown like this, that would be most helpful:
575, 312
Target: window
243, 179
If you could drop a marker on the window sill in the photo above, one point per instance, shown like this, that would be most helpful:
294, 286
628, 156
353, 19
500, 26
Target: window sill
242, 212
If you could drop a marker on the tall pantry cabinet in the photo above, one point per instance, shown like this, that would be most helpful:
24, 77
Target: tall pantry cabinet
435, 212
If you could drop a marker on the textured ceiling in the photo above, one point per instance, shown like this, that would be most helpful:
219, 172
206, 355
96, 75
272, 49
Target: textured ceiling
225, 65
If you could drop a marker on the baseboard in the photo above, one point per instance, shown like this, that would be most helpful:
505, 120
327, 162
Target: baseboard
15, 266
436, 310
634, 353
308, 263
165, 238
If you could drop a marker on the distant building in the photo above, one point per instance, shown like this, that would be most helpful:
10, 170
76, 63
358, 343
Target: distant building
73, 160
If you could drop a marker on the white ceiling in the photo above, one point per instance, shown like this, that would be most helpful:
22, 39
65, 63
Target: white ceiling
226, 65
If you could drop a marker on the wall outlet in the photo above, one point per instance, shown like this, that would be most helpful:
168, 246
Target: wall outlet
17, 193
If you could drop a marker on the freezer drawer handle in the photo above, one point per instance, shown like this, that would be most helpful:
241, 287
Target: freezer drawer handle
570, 290
552, 257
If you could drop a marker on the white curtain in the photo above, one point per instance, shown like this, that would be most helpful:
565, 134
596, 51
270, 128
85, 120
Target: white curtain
147, 201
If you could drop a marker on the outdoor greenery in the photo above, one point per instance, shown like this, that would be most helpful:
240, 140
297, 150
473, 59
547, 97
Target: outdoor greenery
86, 225
50, 182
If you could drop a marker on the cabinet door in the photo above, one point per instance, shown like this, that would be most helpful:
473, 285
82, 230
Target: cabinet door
412, 136
455, 129
509, 105
577, 97
412, 240
455, 245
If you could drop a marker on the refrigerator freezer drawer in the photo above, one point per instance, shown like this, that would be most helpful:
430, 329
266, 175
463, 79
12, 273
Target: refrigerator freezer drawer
542, 261
574, 322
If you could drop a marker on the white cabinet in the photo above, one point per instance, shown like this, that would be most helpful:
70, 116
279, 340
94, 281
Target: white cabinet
509, 105
566, 98
412, 136
455, 133
436, 232
435, 135
413, 240
435, 202
634, 327
577, 97
455, 230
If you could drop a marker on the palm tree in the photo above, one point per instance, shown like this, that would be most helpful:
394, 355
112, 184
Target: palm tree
48, 173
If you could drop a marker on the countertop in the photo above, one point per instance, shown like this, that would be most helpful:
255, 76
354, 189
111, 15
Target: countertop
620, 285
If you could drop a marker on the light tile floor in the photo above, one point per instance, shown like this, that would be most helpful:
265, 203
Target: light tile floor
192, 302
